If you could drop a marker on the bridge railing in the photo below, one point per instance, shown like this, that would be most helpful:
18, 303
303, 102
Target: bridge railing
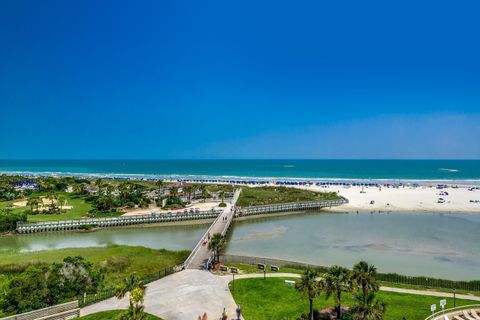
225, 229
23, 227
289, 206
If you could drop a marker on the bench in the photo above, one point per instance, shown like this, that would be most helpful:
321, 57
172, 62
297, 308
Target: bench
261, 266
274, 268
223, 268
234, 269
289, 282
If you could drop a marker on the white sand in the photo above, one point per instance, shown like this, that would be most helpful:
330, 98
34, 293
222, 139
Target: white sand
405, 199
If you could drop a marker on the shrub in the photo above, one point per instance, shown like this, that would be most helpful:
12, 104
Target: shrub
222, 205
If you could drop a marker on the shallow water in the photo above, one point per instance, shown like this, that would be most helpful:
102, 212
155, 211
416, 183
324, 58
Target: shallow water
167, 237
428, 244
434, 245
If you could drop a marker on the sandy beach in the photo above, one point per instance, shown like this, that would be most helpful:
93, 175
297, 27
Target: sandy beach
408, 199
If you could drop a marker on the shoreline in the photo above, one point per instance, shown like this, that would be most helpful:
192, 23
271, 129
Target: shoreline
229, 179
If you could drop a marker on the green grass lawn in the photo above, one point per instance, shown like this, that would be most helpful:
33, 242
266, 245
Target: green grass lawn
113, 314
245, 268
272, 299
120, 261
80, 208
270, 195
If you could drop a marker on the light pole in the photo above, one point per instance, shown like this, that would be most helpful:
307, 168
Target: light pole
264, 273
454, 291
233, 282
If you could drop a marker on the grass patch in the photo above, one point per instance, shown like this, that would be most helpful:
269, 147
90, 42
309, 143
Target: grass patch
271, 195
245, 268
272, 299
120, 261
112, 314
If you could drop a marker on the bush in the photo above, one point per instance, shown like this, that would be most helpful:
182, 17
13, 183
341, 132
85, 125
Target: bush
222, 205
8, 220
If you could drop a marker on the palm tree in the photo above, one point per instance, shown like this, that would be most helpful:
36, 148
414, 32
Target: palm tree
53, 201
336, 281
33, 202
173, 192
309, 287
216, 244
222, 195
364, 277
128, 284
205, 194
188, 191
79, 188
136, 287
367, 307
61, 201
110, 189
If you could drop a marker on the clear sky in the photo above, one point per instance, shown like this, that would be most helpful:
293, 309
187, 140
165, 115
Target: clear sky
239, 79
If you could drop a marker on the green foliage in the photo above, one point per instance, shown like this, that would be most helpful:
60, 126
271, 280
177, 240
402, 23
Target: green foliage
112, 314
310, 288
217, 243
45, 285
222, 205
272, 299
9, 219
271, 195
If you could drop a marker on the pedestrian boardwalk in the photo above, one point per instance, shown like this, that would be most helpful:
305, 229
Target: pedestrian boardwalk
200, 254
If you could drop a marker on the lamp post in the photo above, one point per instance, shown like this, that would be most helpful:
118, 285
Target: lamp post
454, 291
264, 273
233, 282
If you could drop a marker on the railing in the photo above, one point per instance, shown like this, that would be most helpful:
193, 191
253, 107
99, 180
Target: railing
59, 311
192, 255
425, 282
30, 227
439, 314
290, 206
108, 293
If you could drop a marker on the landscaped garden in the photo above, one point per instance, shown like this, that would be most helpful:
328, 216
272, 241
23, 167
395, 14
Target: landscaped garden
273, 299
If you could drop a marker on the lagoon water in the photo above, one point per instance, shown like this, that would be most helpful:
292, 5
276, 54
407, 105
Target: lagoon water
428, 244
163, 237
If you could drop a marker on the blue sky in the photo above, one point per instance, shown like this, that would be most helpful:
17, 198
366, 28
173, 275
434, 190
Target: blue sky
239, 79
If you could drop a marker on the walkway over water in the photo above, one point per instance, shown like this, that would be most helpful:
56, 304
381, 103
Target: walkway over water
201, 254
64, 225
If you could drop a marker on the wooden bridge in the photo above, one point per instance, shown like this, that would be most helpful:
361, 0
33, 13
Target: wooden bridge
64, 225
293, 206
201, 255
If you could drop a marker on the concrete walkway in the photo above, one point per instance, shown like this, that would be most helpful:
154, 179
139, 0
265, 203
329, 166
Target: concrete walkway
187, 294
181, 296
201, 253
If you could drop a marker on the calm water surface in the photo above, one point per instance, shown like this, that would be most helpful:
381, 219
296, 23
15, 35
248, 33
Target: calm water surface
167, 237
435, 245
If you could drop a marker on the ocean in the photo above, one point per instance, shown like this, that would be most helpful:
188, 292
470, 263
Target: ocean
454, 170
